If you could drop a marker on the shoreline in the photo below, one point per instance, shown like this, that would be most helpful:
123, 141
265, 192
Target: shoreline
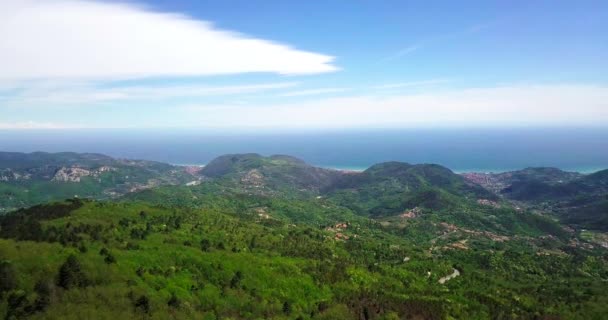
352, 168
582, 170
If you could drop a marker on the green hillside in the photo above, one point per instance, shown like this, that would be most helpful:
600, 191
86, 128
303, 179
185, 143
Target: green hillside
33, 178
270, 174
275, 238
578, 200
84, 259
392, 187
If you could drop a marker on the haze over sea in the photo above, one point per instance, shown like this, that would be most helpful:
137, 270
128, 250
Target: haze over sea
462, 150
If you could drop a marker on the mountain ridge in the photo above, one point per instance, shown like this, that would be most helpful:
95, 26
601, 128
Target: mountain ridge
383, 189
275, 238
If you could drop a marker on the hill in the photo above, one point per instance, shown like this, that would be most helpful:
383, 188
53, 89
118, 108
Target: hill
392, 187
276, 238
383, 189
519, 183
398, 193
579, 200
32, 178
270, 174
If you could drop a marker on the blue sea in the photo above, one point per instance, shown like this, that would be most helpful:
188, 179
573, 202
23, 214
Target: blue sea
462, 150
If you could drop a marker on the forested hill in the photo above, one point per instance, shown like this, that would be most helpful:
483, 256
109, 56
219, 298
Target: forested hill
18, 160
577, 199
392, 187
32, 178
273, 173
254, 237
383, 190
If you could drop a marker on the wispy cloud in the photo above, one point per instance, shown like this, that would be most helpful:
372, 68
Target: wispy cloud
88, 93
432, 40
508, 105
500, 106
95, 39
312, 92
403, 52
35, 125
411, 84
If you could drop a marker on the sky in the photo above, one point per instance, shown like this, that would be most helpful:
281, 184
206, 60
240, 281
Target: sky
302, 65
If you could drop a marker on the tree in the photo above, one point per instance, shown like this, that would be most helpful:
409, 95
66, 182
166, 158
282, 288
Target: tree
140, 271
287, 308
143, 304
205, 245
252, 243
104, 251
109, 259
8, 277
17, 305
174, 301
236, 280
70, 274
45, 289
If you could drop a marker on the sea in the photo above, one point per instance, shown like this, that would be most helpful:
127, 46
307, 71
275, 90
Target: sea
462, 150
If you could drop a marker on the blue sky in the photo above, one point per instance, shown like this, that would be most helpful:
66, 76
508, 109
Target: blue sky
227, 65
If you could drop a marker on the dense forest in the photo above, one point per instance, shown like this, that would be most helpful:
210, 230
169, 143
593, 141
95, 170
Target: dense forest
275, 238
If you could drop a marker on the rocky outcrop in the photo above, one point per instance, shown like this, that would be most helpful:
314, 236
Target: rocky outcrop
253, 178
7, 175
70, 174
75, 174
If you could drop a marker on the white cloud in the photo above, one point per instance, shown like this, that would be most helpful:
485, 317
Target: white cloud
92, 39
68, 93
312, 92
500, 106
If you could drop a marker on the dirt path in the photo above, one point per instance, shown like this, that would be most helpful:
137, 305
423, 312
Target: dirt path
454, 274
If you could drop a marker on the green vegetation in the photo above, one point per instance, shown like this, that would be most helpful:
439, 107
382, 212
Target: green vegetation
392, 187
273, 238
578, 200
207, 263
36, 178
270, 174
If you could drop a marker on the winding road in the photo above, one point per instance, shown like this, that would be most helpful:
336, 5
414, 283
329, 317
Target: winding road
454, 274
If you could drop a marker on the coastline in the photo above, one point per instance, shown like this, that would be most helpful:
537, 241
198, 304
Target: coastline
582, 170
354, 168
